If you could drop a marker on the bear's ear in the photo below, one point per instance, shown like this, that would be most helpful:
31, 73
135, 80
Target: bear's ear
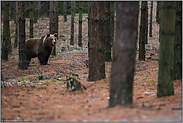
55, 35
48, 35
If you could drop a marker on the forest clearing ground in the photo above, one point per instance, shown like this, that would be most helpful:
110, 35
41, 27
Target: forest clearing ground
49, 101
26, 98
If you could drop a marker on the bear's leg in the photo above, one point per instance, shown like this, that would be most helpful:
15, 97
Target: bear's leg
42, 59
46, 59
28, 58
48, 55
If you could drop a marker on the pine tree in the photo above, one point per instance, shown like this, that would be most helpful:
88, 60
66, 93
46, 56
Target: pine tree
107, 32
166, 55
112, 21
80, 24
97, 44
54, 21
72, 22
5, 47
16, 23
65, 11
178, 42
150, 27
122, 72
142, 37
31, 18
22, 49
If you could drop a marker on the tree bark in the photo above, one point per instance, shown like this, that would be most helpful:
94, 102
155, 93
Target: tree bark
178, 42
22, 49
13, 10
142, 37
80, 24
123, 65
150, 27
112, 21
97, 44
72, 22
89, 28
158, 11
166, 58
53, 21
35, 11
31, 18
65, 11
16, 22
6, 38
107, 32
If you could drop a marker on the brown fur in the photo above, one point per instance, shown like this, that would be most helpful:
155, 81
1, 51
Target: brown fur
40, 47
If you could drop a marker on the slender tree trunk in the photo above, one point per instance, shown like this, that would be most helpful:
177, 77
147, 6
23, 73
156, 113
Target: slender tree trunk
158, 11
166, 56
146, 25
31, 18
13, 10
56, 17
178, 42
142, 36
16, 22
97, 44
122, 72
80, 24
47, 8
107, 32
112, 21
53, 21
72, 22
89, 28
39, 9
5, 47
35, 11
150, 27
65, 11
22, 49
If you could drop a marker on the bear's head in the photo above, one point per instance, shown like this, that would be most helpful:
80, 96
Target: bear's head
50, 40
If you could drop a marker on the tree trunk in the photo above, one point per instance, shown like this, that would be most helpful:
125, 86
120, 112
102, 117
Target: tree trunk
146, 25
16, 22
72, 22
97, 44
166, 56
56, 17
122, 72
112, 22
6, 38
22, 49
53, 21
158, 12
35, 11
80, 24
178, 42
142, 37
65, 11
150, 27
89, 28
31, 18
39, 9
13, 10
107, 32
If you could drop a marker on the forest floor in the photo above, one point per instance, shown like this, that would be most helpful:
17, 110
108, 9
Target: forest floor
26, 98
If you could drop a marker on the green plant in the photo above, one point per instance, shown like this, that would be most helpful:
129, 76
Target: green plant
76, 51
152, 80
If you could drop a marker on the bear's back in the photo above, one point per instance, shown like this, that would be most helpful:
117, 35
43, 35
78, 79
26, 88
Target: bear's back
33, 44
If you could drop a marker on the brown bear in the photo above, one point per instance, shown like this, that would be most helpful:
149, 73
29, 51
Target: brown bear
40, 47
